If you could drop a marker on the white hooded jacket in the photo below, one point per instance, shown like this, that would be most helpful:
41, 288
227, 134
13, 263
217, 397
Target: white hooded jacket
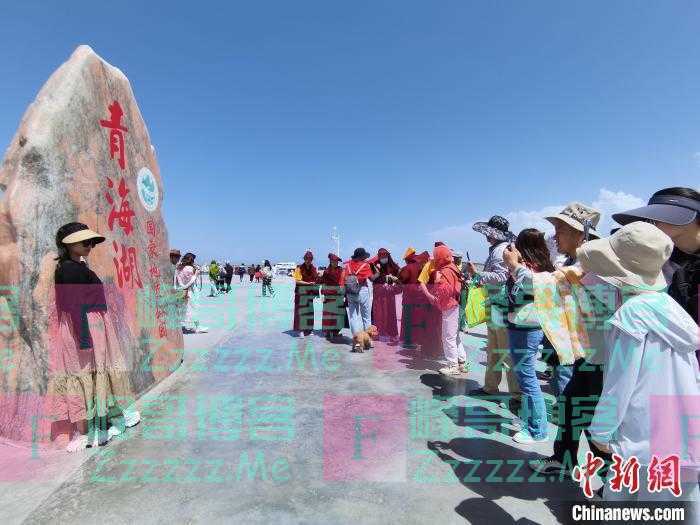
650, 371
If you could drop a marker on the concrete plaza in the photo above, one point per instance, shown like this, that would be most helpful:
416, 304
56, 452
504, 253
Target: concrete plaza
258, 426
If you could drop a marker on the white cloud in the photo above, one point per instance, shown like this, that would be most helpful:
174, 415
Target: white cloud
609, 202
464, 237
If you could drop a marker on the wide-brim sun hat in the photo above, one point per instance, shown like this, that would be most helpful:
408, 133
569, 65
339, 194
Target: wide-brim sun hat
633, 257
671, 209
360, 254
578, 216
495, 228
82, 233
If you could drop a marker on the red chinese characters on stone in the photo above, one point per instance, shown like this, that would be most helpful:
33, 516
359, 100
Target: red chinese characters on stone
125, 214
625, 474
154, 271
127, 270
665, 474
587, 471
151, 228
162, 329
116, 134
152, 249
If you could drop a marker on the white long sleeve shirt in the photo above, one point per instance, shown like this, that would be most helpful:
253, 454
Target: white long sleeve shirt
649, 352
495, 270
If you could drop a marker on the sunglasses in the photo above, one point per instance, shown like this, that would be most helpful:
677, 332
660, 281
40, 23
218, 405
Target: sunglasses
90, 243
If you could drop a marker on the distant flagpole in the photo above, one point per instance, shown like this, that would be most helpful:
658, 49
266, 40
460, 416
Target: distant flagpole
335, 236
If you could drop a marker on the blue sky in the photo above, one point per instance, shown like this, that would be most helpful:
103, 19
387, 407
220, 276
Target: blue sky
399, 122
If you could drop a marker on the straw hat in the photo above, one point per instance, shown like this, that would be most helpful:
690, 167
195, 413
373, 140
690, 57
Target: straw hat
78, 232
577, 215
632, 257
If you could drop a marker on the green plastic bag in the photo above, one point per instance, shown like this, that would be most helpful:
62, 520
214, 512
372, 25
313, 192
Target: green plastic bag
476, 309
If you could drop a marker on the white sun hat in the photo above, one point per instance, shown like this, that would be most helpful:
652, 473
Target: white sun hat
631, 257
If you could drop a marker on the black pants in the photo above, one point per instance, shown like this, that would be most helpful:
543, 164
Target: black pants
228, 282
579, 400
267, 286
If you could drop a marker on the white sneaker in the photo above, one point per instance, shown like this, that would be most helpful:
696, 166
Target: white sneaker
113, 431
131, 418
451, 370
523, 436
201, 330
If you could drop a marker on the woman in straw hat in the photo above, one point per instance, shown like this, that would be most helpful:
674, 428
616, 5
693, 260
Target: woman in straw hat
650, 370
89, 383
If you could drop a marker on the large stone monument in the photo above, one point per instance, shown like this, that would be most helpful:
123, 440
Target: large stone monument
82, 153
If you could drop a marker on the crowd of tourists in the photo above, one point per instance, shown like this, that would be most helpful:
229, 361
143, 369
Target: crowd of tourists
616, 322
189, 281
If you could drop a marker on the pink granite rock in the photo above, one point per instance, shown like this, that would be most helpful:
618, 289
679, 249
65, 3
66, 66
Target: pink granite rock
76, 157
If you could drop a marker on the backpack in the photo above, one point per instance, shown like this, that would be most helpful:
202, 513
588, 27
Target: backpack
352, 283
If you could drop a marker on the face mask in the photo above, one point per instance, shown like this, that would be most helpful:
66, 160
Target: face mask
384, 260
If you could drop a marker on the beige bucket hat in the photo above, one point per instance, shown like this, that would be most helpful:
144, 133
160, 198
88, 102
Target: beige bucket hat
577, 215
631, 257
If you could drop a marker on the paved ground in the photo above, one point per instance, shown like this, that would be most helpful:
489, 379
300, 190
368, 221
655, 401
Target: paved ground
258, 426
